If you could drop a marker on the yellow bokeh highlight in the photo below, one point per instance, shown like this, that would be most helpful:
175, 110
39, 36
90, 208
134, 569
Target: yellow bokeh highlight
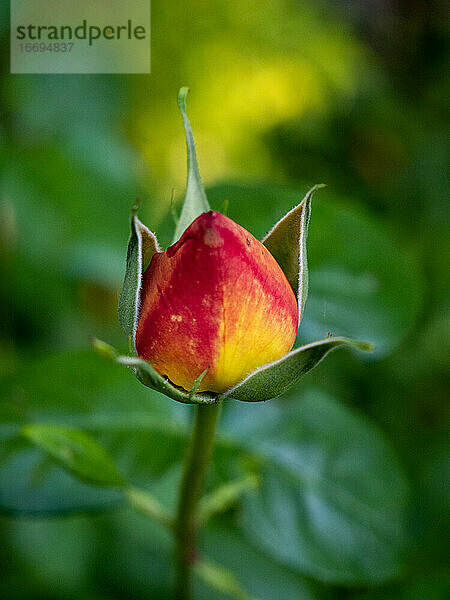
250, 69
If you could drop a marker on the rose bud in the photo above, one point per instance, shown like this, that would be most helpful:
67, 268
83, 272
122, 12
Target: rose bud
216, 315
218, 301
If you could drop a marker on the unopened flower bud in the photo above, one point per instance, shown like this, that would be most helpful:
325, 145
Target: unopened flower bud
218, 301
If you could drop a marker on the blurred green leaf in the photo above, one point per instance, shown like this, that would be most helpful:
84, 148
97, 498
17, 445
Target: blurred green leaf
433, 584
76, 451
332, 500
262, 576
55, 555
363, 284
141, 553
100, 398
195, 201
32, 484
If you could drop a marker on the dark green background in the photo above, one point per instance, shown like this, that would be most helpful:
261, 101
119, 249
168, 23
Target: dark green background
284, 94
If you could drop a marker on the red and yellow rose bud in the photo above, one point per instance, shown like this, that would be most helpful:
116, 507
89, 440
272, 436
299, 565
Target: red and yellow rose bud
217, 312
215, 300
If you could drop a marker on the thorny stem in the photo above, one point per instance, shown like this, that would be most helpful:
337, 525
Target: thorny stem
197, 461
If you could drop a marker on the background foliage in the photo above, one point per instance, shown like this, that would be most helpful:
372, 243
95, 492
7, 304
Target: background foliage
352, 464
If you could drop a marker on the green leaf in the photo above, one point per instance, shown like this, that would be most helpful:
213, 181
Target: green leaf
143, 550
33, 484
77, 451
332, 498
263, 577
275, 378
332, 501
141, 248
195, 201
287, 244
432, 583
80, 390
147, 375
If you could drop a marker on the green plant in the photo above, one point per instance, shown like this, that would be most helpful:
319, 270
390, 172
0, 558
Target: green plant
266, 471
218, 261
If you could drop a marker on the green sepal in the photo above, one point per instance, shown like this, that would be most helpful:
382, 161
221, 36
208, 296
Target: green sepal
76, 451
141, 248
286, 241
273, 379
195, 201
197, 383
147, 375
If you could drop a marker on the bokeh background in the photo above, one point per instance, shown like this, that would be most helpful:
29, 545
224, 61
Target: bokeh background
284, 94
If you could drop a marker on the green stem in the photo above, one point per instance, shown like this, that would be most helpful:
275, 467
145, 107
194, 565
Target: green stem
197, 460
